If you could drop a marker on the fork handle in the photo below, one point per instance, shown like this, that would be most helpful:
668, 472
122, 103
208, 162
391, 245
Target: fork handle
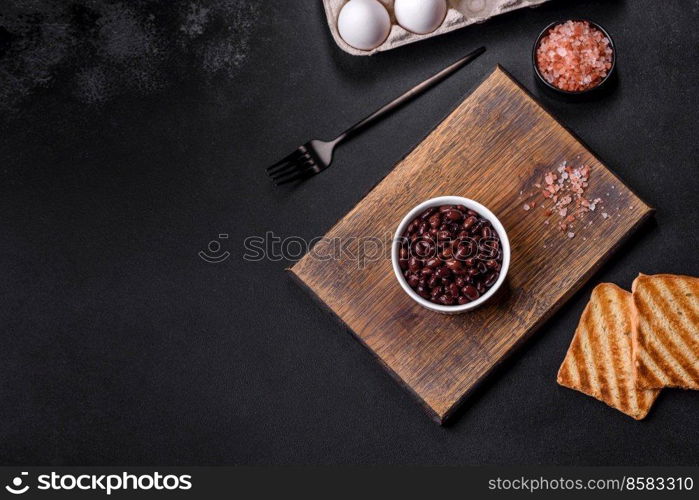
410, 94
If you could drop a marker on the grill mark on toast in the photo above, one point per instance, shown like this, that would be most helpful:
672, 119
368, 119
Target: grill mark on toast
623, 352
640, 398
642, 311
602, 331
650, 375
576, 375
680, 329
649, 343
598, 362
690, 311
594, 339
663, 330
577, 354
684, 290
568, 374
564, 377
632, 401
627, 384
659, 356
573, 368
638, 369
589, 361
620, 347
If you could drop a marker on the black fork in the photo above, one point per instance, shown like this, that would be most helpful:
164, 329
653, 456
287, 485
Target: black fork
316, 155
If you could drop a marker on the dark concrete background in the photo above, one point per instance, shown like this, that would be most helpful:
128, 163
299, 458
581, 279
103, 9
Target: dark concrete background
134, 133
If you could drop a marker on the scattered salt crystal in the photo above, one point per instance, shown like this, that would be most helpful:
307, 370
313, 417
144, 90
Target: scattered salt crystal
605, 215
566, 194
571, 235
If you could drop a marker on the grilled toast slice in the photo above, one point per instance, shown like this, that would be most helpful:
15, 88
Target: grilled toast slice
666, 331
599, 359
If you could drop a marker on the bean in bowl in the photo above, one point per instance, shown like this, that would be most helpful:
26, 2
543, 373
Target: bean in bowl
450, 255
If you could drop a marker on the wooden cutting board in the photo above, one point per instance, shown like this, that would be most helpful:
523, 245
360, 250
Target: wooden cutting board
494, 147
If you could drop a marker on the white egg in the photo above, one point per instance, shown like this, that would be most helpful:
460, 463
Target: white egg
364, 24
420, 16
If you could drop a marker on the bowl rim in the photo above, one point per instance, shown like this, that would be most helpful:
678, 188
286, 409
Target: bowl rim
551, 86
473, 205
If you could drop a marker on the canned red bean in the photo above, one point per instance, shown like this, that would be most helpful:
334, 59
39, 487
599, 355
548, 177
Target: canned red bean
450, 255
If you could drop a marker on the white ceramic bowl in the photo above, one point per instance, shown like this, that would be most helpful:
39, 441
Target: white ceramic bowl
451, 200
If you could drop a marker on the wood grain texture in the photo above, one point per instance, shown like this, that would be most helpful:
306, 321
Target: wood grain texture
495, 144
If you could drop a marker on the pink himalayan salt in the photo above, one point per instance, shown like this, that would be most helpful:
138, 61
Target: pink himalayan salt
574, 56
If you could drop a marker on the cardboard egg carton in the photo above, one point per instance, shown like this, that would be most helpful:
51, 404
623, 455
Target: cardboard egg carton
461, 13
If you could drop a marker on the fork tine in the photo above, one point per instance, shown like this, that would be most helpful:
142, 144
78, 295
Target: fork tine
289, 158
286, 159
289, 175
299, 164
283, 169
299, 175
302, 170
280, 168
